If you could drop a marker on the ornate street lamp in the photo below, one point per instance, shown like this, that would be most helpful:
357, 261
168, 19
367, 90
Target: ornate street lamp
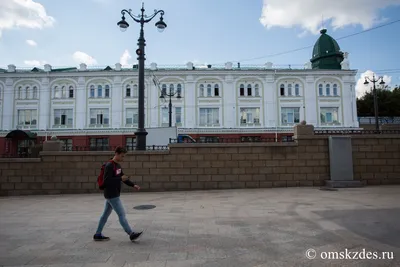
170, 95
142, 19
375, 97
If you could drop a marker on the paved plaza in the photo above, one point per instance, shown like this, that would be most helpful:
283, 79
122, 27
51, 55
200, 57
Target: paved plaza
235, 228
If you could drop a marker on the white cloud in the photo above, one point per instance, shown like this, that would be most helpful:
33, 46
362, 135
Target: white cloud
308, 13
125, 58
361, 89
81, 57
16, 14
31, 42
35, 63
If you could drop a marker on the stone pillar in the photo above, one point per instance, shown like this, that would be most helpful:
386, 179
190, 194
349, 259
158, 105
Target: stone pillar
271, 102
8, 106
117, 107
81, 112
53, 144
190, 103
310, 101
303, 130
229, 95
44, 106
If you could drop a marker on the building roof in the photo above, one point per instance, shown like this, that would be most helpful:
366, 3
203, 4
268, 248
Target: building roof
326, 53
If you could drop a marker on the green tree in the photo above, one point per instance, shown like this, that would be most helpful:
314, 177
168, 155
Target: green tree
388, 103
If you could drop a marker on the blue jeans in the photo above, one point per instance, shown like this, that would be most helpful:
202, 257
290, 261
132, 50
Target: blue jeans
116, 205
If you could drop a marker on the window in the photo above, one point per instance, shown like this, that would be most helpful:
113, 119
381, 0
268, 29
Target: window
242, 90
201, 90
67, 144
27, 117
19, 93
256, 90
289, 90
107, 91
35, 92
71, 92
216, 90
329, 115
171, 89
128, 91
209, 116
282, 89
63, 92
249, 89
179, 89
335, 91
297, 90
130, 143
164, 116
178, 115
92, 91
27, 92
164, 90
320, 90
1, 92
290, 115
328, 89
99, 91
249, 116
209, 90
99, 116
132, 116
99, 144
63, 117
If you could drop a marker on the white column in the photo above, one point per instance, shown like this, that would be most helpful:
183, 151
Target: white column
116, 111
154, 94
310, 102
8, 106
354, 105
347, 97
229, 102
270, 103
189, 109
44, 105
81, 104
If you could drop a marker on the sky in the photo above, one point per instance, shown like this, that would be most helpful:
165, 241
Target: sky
69, 32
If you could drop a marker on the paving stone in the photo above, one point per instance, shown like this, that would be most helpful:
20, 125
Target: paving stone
243, 228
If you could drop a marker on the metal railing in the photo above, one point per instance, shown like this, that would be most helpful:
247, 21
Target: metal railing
235, 140
355, 132
112, 148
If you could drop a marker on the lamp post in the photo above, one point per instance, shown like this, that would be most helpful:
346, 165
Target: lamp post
142, 19
375, 97
170, 95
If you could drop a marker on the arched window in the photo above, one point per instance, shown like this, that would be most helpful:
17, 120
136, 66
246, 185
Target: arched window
208, 89
290, 90
107, 91
171, 89
57, 92
92, 91
201, 90
328, 89
249, 91
135, 90
27, 92
282, 90
35, 92
71, 92
241, 90
320, 90
297, 89
335, 91
216, 90
179, 89
164, 90
99, 91
63, 92
256, 90
128, 91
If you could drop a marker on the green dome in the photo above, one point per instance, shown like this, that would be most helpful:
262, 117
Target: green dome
326, 53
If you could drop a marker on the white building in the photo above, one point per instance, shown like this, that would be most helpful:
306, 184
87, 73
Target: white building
216, 100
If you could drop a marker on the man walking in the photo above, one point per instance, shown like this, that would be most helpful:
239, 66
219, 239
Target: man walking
113, 176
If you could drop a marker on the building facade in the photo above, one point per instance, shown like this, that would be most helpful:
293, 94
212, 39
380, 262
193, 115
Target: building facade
99, 106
